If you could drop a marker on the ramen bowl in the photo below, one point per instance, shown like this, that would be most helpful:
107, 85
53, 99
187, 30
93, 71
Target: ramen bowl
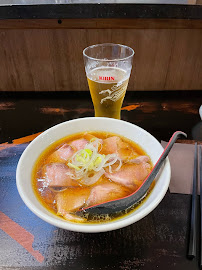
144, 139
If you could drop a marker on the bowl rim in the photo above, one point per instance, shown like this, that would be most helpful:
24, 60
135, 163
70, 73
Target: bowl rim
89, 228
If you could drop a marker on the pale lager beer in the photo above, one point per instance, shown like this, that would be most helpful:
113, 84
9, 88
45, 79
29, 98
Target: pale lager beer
107, 88
108, 67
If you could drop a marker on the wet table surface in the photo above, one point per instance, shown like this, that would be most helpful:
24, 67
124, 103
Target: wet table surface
158, 241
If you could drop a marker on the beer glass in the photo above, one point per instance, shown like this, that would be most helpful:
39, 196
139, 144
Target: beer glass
108, 67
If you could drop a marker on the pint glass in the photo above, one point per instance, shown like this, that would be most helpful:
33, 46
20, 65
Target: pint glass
108, 67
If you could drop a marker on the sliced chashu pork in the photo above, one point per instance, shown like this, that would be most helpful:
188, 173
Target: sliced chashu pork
66, 151
139, 160
78, 144
58, 175
62, 154
130, 175
106, 192
89, 137
73, 199
110, 145
114, 144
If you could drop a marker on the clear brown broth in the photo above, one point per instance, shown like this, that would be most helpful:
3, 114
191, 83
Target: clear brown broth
47, 196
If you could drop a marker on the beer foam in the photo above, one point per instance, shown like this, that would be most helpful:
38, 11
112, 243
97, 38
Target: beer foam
108, 75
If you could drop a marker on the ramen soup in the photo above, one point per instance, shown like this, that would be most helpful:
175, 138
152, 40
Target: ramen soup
86, 169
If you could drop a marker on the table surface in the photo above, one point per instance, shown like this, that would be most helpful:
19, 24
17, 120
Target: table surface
158, 241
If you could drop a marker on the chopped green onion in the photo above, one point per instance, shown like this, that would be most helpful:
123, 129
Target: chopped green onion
81, 159
89, 152
73, 166
91, 166
97, 161
89, 160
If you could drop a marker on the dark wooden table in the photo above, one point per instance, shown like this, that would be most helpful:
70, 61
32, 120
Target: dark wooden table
158, 241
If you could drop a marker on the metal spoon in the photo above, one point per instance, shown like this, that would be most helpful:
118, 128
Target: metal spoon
126, 202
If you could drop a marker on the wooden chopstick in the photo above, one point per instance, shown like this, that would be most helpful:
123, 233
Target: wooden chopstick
194, 206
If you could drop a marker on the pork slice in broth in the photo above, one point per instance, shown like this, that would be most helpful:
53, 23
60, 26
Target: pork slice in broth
47, 194
106, 192
114, 144
71, 200
130, 175
65, 152
110, 145
78, 144
139, 160
62, 154
58, 175
90, 137
73, 217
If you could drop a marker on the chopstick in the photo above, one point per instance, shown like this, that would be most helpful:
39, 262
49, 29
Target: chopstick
200, 175
194, 209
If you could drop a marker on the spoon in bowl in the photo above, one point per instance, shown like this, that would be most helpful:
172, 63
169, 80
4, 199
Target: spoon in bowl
121, 204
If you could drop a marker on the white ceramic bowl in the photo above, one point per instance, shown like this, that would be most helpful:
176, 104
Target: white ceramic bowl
133, 132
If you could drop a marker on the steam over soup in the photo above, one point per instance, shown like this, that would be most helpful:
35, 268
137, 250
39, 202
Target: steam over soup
86, 169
